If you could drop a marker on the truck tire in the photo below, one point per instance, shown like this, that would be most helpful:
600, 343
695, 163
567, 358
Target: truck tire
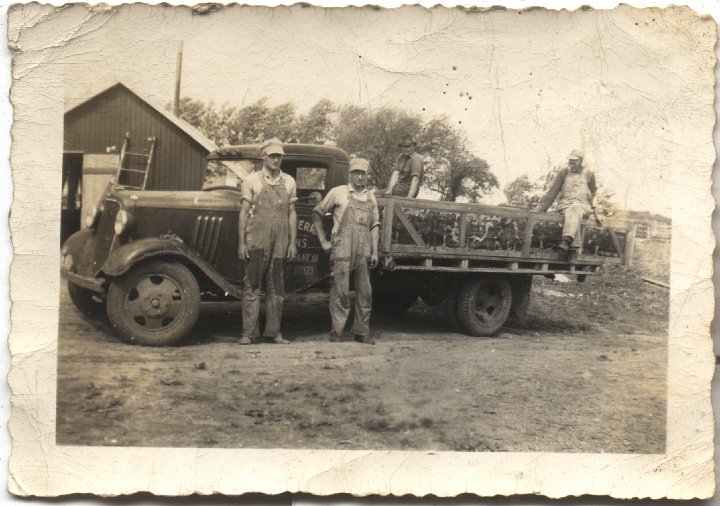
484, 304
154, 304
451, 306
393, 302
86, 301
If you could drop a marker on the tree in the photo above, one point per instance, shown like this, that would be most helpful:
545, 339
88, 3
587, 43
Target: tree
450, 168
518, 192
237, 125
281, 122
521, 192
372, 133
605, 201
204, 117
317, 124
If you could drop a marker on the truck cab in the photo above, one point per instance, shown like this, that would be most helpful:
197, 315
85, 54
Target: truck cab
150, 259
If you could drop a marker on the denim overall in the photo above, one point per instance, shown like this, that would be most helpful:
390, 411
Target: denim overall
267, 237
574, 205
351, 251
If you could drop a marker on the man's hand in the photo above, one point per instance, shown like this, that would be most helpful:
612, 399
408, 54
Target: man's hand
243, 252
292, 251
373, 260
326, 245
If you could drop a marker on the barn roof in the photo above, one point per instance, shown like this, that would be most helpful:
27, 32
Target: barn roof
183, 125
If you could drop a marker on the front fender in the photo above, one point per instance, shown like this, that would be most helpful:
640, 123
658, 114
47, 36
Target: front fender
126, 256
80, 249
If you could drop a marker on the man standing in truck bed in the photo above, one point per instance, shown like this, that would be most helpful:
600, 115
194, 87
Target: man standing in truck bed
267, 230
575, 189
355, 236
405, 179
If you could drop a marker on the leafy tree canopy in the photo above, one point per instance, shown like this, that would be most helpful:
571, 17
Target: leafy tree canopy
451, 169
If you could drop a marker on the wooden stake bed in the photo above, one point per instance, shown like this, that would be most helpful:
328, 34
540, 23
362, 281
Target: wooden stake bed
424, 235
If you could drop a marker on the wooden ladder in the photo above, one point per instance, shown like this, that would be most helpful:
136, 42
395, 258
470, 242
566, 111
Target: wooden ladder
134, 166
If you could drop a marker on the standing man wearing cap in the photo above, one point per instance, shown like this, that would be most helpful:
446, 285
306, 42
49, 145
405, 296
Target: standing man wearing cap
267, 229
406, 178
575, 189
354, 243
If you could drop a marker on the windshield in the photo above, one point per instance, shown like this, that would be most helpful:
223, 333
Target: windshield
229, 172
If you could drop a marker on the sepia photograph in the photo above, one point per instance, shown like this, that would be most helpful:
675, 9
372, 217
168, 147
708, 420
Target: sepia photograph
442, 231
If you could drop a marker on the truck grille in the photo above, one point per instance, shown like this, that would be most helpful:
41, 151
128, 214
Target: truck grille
206, 236
105, 233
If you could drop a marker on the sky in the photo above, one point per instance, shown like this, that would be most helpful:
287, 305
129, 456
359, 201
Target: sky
527, 87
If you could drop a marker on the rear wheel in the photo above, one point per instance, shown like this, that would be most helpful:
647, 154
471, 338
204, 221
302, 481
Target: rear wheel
154, 304
88, 302
484, 305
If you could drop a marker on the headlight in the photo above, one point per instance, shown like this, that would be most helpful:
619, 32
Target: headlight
67, 259
122, 220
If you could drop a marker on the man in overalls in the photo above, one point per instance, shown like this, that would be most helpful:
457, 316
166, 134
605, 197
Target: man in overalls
354, 243
405, 179
575, 189
267, 229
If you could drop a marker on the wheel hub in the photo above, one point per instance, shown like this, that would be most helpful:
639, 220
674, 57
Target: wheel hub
155, 305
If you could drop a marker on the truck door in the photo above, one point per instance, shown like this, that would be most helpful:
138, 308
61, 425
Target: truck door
312, 264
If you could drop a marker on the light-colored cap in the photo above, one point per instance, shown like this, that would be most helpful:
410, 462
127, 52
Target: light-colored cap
359, 164
272, 147
576, 154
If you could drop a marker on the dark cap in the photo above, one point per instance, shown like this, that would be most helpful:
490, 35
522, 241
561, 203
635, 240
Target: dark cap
407, 140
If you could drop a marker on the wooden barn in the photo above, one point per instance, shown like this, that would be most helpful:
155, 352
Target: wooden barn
100, 125
119, 127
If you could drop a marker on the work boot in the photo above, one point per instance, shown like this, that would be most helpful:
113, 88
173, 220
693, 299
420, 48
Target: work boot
334, 338
280, 340
364, 339
245, 340
564, 245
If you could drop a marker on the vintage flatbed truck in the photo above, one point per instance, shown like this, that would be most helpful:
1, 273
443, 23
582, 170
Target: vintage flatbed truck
479, 260
150, 261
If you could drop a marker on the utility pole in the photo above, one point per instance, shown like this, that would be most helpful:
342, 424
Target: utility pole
178, 72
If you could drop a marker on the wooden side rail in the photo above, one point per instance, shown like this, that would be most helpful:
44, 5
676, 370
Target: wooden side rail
398, 210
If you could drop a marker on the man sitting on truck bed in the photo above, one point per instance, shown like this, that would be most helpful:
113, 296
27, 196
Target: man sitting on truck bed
575, 189
405, 179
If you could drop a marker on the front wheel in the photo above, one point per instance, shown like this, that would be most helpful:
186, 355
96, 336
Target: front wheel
154, 304
483, 304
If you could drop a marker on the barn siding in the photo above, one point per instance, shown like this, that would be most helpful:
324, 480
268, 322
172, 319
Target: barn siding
179, 161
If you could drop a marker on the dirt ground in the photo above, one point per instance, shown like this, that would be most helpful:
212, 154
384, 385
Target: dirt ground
586, 374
